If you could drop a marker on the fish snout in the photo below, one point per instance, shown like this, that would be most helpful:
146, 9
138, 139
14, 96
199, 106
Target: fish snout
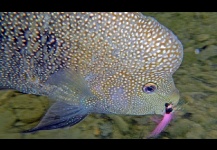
174, 97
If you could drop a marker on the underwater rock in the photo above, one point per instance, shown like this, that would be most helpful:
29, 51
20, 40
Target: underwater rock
141, 120
212, 112
7, 119
10, 136
211, 42
189, 49
212, 98
5, 95
187, 115
96, 131
27, 108
120, 123
196, 132
202, 37
209, 52
211, 134
106, 130
19, 123
188, 99
199, 118
180, 128
199, 96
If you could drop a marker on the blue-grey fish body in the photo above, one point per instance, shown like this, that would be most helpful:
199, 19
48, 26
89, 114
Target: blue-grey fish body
119, 63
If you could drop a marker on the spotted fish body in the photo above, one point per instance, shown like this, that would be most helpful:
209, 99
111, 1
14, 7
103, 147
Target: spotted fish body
89, 62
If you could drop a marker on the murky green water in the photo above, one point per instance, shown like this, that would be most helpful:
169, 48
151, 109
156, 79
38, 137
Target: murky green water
196, 80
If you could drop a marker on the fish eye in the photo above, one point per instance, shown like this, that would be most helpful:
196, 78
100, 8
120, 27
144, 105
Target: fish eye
149, 88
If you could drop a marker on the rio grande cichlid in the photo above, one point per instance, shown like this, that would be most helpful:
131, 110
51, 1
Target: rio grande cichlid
119, 63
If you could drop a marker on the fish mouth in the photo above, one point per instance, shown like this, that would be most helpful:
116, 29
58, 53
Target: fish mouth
172, 99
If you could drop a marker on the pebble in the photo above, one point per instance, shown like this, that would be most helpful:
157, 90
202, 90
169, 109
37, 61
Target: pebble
27, 109
120, 123
202, 37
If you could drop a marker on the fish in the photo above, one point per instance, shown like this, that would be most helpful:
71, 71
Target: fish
89, 62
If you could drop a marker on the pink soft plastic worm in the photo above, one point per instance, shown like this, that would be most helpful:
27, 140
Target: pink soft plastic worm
162, 125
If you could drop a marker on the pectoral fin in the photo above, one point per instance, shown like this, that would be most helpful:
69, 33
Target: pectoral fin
4, 88
60, 115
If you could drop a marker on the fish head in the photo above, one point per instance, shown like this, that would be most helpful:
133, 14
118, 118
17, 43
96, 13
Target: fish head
140, 80
140, 96
154, 94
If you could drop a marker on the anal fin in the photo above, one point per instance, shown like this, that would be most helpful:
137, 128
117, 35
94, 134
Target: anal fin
60, 115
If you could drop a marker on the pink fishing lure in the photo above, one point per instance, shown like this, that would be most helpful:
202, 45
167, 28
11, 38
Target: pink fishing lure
168, 116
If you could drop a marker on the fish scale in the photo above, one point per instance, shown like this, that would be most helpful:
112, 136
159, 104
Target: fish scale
99, 62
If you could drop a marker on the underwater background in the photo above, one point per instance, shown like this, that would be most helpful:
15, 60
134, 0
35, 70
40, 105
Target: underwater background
196, 79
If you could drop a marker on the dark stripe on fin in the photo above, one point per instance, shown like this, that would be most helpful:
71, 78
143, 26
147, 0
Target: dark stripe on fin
60, 115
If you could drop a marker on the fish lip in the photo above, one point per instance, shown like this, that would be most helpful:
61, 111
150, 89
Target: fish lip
173, 99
